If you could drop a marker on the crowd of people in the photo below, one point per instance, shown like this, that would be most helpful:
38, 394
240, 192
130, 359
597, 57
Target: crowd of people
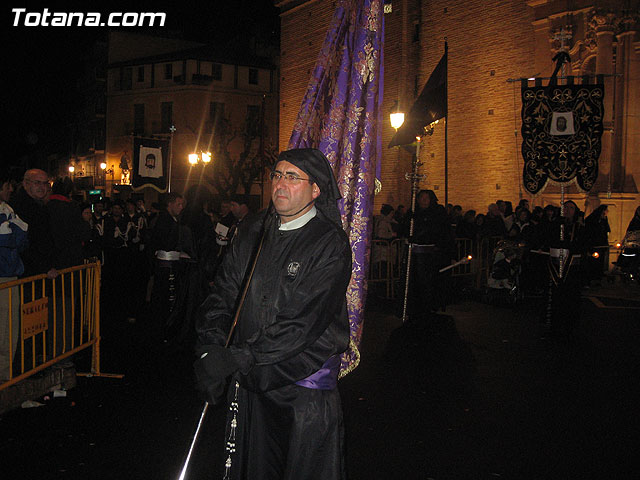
528, 236
148, 256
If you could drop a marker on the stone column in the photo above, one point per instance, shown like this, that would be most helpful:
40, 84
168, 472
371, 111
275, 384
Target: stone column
604, 28
627, 116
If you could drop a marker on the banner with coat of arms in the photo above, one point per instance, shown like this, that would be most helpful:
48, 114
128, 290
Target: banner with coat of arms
561, 134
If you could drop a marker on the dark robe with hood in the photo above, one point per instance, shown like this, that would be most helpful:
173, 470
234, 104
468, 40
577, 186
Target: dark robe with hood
434, 247
285, 421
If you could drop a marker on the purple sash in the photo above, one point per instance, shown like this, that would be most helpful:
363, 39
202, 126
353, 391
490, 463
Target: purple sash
324, 379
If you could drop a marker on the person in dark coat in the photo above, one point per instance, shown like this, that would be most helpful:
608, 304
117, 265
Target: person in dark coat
170, 244
67, 230
467, 227
433, 249
564, 283
29, 203
596, 235
285, 420
92, 243
634, 224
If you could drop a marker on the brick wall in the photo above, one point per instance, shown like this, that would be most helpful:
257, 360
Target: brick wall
484, 36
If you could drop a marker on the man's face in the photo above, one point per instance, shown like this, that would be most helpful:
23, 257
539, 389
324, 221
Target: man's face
424, 200
289, 197
86, 215
116, 210
37, 185
569, 210
526, 204
98, 208
225, 208
175, 208
5, 191
131, 208
236, 209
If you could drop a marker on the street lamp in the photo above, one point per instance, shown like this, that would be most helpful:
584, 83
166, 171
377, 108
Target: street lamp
396, 116
195, 158
397, 119
72, 169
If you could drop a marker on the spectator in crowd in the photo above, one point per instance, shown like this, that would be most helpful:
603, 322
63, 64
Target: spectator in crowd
239, 206
98, 211
141, 207
493, 223
92, 244
226, 215
13, 240
29, 203
456, 216
507, 215
399, 218
467, 228
384, 223
383, 230
521, 229
66, 225
480, 221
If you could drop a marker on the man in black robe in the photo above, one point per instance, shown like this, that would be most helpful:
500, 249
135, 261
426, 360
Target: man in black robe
285, 417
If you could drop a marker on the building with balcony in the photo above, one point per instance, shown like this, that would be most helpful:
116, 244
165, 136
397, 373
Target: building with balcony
186, 93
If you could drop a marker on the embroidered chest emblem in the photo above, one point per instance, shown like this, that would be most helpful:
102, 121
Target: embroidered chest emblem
292, 269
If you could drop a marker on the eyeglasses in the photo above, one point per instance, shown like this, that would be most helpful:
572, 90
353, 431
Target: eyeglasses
289, 178
38, 182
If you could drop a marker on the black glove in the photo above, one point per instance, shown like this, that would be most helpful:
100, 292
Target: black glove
214, 364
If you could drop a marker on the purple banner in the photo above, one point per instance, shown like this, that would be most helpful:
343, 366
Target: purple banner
341, 115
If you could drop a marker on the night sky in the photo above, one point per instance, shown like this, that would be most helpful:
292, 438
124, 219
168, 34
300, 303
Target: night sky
43, 63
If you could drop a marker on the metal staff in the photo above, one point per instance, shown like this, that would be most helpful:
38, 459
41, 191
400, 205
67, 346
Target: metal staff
415, 177
231, 330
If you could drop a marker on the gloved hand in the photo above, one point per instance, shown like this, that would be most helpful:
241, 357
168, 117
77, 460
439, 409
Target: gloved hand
214, 364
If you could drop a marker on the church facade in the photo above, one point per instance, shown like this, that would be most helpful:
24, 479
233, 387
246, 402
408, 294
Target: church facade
490, 44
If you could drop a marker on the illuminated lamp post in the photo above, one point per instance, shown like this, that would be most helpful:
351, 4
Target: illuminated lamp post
202, 157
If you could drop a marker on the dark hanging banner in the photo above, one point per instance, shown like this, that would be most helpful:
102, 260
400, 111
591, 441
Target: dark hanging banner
430, 106
150, 164
561, 133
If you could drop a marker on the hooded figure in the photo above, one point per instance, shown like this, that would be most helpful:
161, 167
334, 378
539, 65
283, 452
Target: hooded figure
317, 166
285, 417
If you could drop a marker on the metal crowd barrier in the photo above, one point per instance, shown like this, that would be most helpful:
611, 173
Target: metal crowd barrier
388, 258
56, 318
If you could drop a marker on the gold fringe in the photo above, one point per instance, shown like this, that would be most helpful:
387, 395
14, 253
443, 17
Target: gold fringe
346, 371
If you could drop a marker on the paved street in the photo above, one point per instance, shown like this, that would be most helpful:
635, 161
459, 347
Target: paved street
473, 393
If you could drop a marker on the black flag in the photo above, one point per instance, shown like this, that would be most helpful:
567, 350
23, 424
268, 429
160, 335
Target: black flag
430, 106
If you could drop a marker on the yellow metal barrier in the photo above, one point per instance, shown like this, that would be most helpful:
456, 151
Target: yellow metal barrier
57, 318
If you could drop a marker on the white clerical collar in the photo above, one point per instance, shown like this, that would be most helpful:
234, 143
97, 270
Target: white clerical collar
300, 221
